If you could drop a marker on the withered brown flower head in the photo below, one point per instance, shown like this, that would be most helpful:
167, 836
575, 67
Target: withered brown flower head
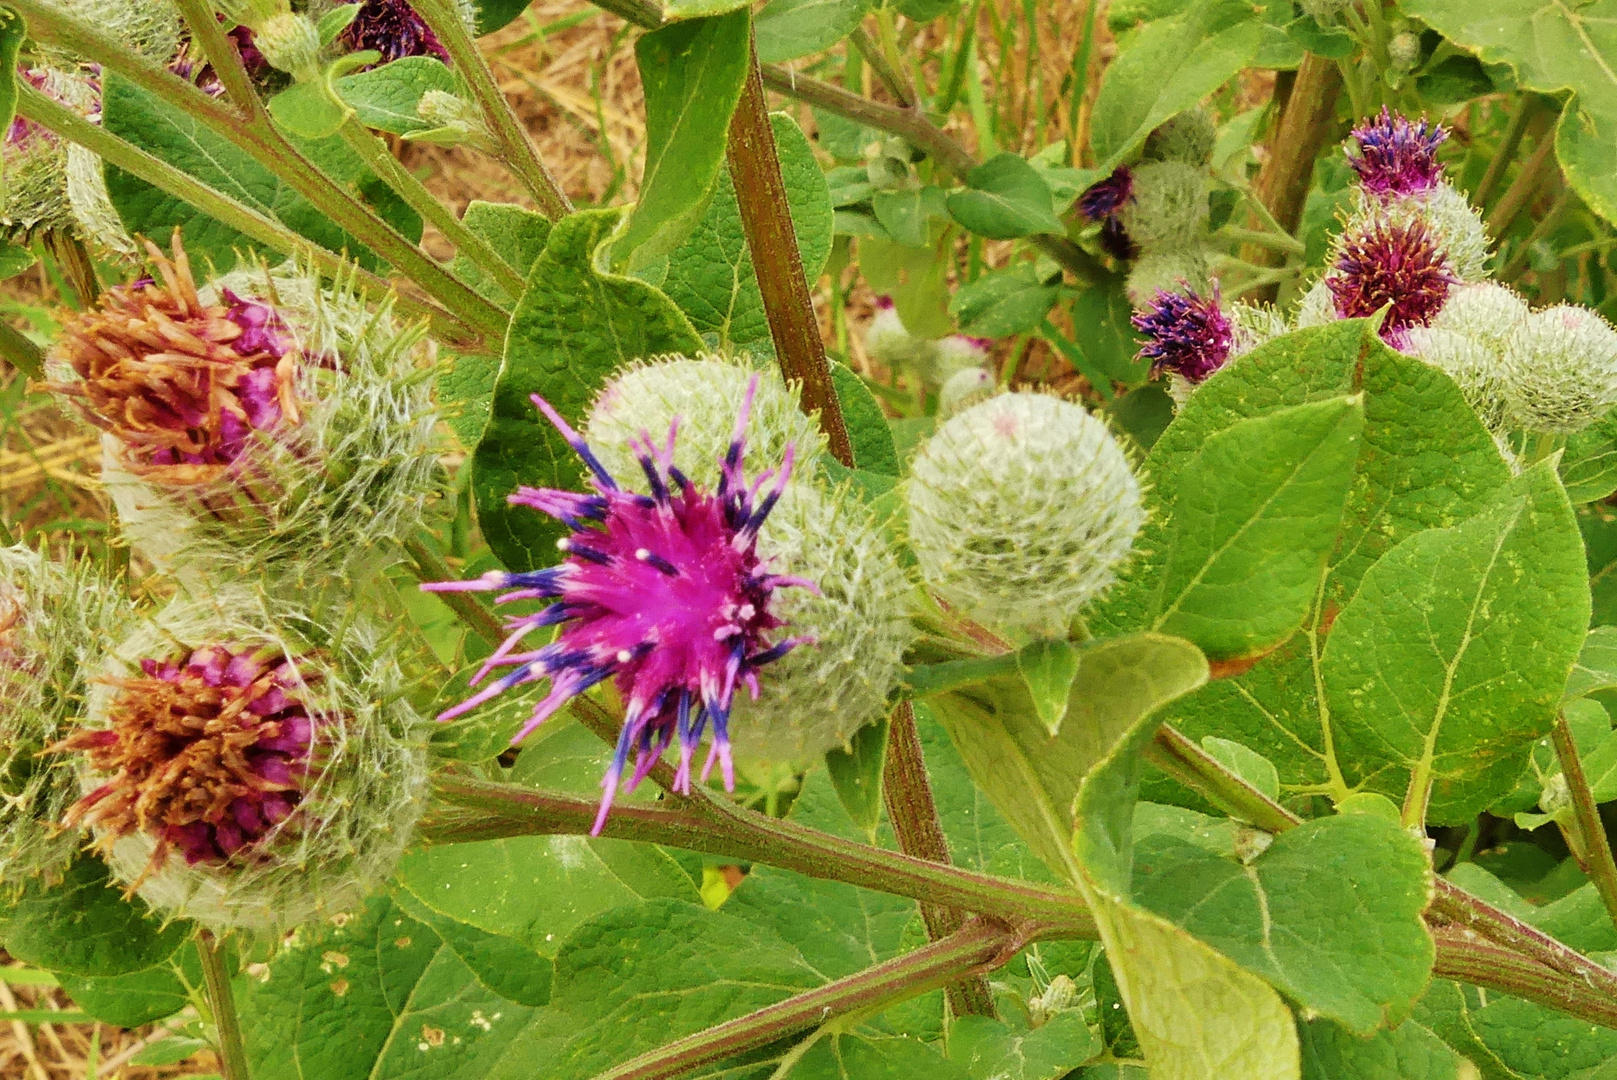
206, 754
183, 386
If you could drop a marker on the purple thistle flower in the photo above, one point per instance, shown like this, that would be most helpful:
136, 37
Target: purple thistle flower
664, 593
392, 28
1107, 197
1397, 156
1185, 333
1391, 264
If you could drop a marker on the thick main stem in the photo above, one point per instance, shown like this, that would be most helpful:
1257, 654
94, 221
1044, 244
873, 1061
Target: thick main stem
766, 218
226, 1021
1596, 845
977, 946
517, 150
914, 816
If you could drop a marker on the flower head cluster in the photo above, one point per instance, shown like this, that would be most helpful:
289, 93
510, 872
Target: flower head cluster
1393, 265
207, 753
182, 386
665, 593
1397, 156
1186, 334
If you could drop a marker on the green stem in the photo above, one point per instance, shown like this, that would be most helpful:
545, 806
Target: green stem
1194, 767
375, 154
259, 139
894, 79
221, 54
766, 220
21, 353
1596, 845
905, 91
914, 816
516, 149
1531, 107
226, 1021
56, 117
1526, 185
1546, 225
978, 946
1264, 239
1460, 956
429, 567
489, 811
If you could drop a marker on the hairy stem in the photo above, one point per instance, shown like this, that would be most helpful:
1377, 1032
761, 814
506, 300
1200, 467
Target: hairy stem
226, 1021
468, 607
376, 155
914, 814
261, 141
892, 78
767, 221
979, 945
58, 118
221, 55
1525, 187
516, 149
1194, 767
484, 810
1596, 845
1528, 109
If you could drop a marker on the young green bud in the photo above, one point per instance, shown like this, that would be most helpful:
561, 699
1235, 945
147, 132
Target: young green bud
1403, 51
1169, 211
290, 42
1021, 509
1188, 137
1167, 271
242, 768
1486, 312
964, 389
1560, 370
705, 395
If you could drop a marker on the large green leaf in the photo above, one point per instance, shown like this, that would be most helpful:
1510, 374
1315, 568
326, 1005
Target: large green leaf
789, 29
1408, 1051
1363, 964
850, 1057
1004, 198
1168, 67
1553, 47
1032, 776
574, 326
84, 926
1450, 661
388, 97
692, 73
180, 140
1537, 1043
1447, 1011
140, 997
710, 275
995, 1050
380, 995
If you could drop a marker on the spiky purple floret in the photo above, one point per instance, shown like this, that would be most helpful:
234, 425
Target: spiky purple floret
392, 28
1397, 156
1395, 266
1107, 197
664, 593
1185, 333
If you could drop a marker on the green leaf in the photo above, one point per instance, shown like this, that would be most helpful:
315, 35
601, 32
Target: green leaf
1048, 667
140, 997
1363, 965
1598, 524
387, 98
852, 1057
710, 275
505, 965
856, 772
169, 1051
574, 326
493, 14
1032, 777
308, 110
379, 995
907, 214
1589, 464
1246, 763
1451, 659
1409, 1050
1447, 1011
839, 929
1254, 516
692, 74
1331, 42
674, 10
872, 439
1552, 48
1002, 303
917, 278
13, 31
789, 29
84, 926
335, 22
1005, 198
1540, 1044
1596, 668
992, 1050
14, 259
180, 140
1167, 68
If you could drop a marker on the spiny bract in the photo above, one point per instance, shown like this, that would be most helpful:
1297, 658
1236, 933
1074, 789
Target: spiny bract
1560, 370
1021, 509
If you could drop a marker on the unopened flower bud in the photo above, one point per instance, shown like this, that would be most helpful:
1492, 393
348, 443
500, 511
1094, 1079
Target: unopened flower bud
1403, 51
1485, 311
56, 620
1560, 370
703, 395
1316, 308
1057, 997
964, 389
52, 185
1169, 211
1188, 137
1167, 271
238, 775
290, 42
948, 357
1021, 509
455, 115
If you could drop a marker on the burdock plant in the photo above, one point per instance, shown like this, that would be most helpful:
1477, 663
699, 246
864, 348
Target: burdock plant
1162, 652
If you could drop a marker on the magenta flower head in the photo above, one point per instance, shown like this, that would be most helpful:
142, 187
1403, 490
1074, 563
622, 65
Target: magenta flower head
1396, 156
392, 28
1394, 265
1103, 202
665, 593
1185, 333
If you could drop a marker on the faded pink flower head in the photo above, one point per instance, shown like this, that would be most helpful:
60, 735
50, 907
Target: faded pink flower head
664, 593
